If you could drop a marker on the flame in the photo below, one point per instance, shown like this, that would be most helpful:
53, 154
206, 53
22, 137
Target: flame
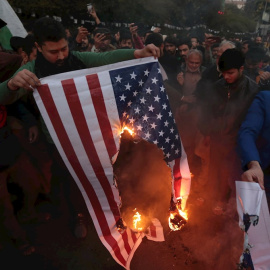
191, 174
137, 221
131, 132
177, 218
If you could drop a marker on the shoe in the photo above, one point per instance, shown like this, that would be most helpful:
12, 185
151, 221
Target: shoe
80, 229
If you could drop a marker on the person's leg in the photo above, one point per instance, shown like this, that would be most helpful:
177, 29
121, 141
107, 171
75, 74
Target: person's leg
8, 219
73, 196
29, 179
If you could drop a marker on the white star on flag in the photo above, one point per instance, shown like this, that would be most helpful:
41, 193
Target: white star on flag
133, 76
146, 73
148, 90
118, 78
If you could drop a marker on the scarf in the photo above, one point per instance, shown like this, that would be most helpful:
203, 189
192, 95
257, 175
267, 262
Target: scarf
43, 68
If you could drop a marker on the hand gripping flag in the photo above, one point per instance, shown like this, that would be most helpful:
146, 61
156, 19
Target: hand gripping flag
85, 112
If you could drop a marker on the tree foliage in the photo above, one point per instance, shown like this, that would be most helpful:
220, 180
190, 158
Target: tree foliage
184, 13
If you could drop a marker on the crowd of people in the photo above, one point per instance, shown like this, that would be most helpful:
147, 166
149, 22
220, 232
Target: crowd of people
211, 85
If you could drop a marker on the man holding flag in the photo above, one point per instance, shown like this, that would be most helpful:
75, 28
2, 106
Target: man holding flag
54, 57
83, 110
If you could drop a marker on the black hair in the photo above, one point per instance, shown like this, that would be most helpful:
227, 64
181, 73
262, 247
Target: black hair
16, 43
125, 36
171, 40
184, 41
147, 32
154, 38
266, 59
29, 44
100, 30
249, 42
48, 29
231, 58
255, 54
215, 45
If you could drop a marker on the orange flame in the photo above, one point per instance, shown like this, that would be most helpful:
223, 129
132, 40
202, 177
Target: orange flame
177, 218
128, 129
137, 221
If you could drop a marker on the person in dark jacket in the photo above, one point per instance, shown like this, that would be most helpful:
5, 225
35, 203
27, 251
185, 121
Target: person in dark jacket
222, 111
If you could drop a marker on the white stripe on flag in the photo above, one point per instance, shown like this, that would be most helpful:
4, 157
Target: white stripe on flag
71, 130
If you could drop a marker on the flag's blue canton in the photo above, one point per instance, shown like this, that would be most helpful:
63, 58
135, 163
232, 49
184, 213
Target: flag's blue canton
143, 106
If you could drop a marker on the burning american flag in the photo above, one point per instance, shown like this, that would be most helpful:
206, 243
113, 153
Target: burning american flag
85, 112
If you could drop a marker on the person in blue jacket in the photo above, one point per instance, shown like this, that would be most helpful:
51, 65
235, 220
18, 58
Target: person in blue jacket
254, 142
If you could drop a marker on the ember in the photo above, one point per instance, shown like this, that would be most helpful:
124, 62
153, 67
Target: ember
177, 218
120, 226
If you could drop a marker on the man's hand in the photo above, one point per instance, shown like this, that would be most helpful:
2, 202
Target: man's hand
264, 77
157, 30
180, 78
98, 39
254, 174
82, 32
149, 50
24, 79
117, 36
33, 134
133, 29
93, 13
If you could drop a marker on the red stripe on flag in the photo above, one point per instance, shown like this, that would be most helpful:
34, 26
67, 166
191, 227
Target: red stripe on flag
153, 232
89, 147
84, 133
55, 118
177, 177
102, 116
104, 123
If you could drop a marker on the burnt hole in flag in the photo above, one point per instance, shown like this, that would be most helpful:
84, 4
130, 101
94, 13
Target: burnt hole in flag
144, 182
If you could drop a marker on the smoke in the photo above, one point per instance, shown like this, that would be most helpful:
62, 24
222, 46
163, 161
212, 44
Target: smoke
144, 183
143, 180
217, 241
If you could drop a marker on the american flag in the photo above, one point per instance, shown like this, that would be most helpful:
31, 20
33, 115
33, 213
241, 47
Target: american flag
85, 112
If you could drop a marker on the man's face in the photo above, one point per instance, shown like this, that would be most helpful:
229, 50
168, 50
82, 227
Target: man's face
193, 62
258, 40
251, 65
183, 50
55, 52
244, 48
232, 75
126, 43
102, 41
194, 42
85, 42
170, 48
215, 52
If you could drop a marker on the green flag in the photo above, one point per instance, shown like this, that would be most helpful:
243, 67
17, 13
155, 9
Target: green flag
10, 25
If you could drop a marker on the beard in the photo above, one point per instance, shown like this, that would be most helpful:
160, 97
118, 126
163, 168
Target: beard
61, 62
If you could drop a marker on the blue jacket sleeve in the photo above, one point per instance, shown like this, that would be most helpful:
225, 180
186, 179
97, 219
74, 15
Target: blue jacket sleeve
250, 130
